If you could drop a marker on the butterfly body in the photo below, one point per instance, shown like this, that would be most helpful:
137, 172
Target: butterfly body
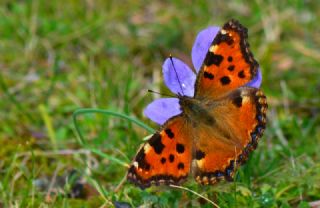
195, 111
217, 128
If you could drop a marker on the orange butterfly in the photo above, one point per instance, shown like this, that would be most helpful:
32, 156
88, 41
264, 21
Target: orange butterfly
216, 119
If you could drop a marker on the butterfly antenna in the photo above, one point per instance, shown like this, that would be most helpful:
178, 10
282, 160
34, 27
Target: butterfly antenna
174, 68
160, 93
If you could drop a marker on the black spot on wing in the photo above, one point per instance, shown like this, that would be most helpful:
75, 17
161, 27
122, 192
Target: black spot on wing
212, 58
169, 133
171, 158
200, 154
155, 142
163, 160
140, 159
208, 75
180, 148
231, 68
144, 165
180, 166
230, 58
223, 38
241, 74
244, 45
141, 155
225, 80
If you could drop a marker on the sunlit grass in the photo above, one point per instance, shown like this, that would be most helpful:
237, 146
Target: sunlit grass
58, 57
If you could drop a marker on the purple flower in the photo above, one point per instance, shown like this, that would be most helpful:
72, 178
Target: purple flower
162, 109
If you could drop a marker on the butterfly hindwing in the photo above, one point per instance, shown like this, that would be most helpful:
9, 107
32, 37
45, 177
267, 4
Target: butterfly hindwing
228, 64
240, 120
165, 158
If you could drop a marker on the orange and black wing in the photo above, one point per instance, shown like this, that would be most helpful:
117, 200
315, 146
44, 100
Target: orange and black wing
165, 158
239, 121
228, 64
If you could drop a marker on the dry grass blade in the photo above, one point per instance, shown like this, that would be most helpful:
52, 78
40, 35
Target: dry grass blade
195, 193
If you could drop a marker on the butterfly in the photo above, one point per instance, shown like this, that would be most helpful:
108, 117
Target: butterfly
218, 127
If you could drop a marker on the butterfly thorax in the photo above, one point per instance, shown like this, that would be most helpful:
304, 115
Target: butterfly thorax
195, 110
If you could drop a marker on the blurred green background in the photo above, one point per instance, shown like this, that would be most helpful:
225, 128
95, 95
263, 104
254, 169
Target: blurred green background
59, 56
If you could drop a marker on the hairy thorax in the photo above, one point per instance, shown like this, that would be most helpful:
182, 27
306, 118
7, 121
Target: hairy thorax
196, 111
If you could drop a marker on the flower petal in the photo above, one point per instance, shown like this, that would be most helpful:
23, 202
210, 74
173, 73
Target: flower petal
202, 44
162, 109
256, 81
175, 71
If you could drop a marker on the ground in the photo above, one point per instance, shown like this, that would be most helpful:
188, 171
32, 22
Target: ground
60, 56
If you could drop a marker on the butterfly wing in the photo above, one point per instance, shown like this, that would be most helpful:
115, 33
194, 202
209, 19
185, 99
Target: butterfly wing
228, 64
165, 158
240, 120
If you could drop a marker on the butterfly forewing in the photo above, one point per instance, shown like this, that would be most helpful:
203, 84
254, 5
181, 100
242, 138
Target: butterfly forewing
165, 158
228, 64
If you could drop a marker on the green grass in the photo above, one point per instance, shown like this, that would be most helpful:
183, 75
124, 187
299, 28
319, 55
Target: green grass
60, 56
